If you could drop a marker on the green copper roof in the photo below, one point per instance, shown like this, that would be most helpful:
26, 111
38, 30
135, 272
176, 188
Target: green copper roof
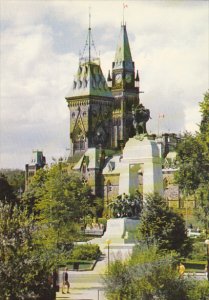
123, 52
89, 80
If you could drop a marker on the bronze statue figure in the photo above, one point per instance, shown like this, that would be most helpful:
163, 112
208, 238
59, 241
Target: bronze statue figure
140, 117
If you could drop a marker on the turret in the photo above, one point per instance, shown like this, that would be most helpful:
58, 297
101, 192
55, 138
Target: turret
90, 103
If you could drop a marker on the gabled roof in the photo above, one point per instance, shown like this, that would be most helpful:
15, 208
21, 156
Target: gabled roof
123, 52
92, 156
89, 81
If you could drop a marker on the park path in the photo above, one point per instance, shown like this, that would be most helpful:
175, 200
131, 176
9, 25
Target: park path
88, 285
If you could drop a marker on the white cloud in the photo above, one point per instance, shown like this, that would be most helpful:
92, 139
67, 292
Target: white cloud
40, 42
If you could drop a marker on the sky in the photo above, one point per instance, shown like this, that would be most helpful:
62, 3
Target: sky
40, 45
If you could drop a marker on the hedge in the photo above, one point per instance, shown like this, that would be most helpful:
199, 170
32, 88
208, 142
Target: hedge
85, 252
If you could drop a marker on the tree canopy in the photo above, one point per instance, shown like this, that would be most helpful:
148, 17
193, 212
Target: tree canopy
149, 275
193, 160
161, 225
7, 194
24, 266
16, 178
59, 202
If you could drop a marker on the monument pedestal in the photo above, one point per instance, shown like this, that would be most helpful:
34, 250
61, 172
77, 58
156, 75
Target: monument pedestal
120, 231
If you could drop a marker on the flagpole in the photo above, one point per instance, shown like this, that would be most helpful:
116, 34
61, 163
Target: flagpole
160, 116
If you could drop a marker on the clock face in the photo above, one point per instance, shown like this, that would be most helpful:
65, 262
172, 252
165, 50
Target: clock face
118, 78
128, 78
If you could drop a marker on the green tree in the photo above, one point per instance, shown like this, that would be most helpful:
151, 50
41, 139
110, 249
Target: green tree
204, 125
58, 208
24, 266
16, 178
36, 191
60, 202
6, 191
149, 275
190, 161
160, 224
193, 160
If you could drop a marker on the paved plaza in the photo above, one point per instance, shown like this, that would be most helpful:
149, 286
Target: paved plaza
88, 285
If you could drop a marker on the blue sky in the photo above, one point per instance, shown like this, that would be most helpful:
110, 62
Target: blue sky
40, 44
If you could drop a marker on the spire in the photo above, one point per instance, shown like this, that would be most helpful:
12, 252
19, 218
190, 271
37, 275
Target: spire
89, 34
137, 76
86, 55
89, 79
123, 52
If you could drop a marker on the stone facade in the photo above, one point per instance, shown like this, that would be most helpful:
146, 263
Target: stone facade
38, 161
101, 123
101, 119
100, 110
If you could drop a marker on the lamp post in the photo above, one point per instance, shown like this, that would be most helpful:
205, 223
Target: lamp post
108, 254
109, 189
207, 245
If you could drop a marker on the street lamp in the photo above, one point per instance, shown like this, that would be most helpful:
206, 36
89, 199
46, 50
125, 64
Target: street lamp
207, 245
109, 188
108, 254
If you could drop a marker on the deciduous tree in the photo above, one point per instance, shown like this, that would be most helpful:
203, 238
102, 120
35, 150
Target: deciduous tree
24, 266
149, 275
193, 159
160, 224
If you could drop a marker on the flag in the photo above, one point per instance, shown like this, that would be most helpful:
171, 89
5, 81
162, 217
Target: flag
125, 5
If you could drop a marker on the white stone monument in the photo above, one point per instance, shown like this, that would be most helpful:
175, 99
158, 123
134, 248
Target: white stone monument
141, 154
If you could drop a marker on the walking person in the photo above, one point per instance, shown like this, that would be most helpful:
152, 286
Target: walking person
65, 281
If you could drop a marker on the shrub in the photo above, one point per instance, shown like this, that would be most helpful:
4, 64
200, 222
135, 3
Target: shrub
85, 252
102, 221
149, 274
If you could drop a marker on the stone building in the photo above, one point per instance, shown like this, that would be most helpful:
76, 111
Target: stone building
101, 122
101, 116
100, 110
101, 119
38, 161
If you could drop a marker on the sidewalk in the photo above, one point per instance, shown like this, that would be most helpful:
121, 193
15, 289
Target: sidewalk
88, 285
82, 294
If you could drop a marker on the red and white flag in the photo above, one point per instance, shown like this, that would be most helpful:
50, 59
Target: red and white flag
125, 5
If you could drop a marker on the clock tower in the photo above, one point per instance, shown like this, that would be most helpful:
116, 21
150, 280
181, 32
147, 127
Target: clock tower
124, 84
